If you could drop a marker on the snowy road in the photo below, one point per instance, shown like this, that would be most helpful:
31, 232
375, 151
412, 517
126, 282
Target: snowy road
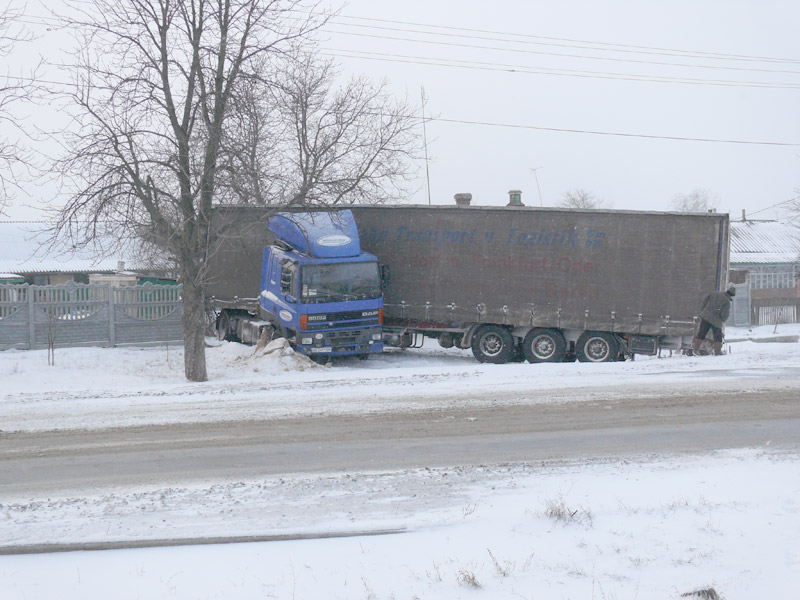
514, 429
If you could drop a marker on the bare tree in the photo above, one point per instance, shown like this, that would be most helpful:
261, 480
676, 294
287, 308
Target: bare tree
350, 143
580, 198
789, 210
157, 83
698, 200
309, 140
183, 104
14, 90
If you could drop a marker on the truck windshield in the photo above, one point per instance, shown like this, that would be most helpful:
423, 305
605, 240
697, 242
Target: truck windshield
340, 282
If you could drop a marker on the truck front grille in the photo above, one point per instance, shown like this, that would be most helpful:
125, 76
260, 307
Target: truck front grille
353, 318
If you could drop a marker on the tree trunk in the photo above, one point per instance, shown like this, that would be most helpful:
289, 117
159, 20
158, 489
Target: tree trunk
194, 324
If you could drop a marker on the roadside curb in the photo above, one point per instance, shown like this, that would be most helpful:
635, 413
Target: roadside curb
197, 541
780, 339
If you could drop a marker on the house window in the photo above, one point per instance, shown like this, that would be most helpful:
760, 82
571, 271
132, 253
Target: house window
770, 277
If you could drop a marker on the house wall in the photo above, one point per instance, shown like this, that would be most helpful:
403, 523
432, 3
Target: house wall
773, 295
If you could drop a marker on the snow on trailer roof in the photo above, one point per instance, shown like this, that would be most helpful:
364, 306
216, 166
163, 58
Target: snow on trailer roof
25, 248
764, 242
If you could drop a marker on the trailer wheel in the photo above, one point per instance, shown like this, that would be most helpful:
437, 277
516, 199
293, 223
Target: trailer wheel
597, 346
492, 344
544, 345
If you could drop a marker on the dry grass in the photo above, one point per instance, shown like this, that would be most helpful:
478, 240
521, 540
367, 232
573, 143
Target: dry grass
466, 576
503, 570
703, 594
560, 512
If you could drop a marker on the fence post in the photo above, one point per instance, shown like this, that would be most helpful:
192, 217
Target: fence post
31, 319
112, 334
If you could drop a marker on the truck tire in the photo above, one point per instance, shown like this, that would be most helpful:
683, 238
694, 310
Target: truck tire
544, 345
492, 344
597, 346
223, 328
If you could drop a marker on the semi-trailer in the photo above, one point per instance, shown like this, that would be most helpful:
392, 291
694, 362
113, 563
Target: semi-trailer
548, 284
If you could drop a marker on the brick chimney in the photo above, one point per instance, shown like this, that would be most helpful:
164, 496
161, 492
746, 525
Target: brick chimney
463, 199
515, 198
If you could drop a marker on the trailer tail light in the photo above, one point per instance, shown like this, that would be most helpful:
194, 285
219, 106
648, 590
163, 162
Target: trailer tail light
303, 322
380, 316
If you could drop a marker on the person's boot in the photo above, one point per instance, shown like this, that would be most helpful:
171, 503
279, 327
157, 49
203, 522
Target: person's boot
717, 347
696, 347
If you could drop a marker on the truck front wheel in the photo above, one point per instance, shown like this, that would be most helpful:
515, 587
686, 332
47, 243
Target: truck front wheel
597, 346
492, 344
223, 327
544, 345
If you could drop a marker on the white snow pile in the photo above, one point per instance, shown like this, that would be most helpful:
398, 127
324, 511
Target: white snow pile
275, 357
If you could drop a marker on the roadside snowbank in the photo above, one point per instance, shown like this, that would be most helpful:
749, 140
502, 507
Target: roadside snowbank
118, 387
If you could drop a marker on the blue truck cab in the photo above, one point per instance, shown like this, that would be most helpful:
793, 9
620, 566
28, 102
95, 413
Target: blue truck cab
318, 288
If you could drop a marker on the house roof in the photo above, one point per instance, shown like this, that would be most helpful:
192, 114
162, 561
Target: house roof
764, 242
25, 248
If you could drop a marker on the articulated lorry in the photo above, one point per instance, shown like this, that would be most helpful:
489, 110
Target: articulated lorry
547, 284
300, 275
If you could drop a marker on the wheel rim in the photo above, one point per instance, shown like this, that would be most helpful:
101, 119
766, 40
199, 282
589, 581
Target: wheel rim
491, 344
597, 349
543, 347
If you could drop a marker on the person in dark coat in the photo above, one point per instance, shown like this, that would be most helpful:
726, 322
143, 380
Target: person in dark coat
715, 311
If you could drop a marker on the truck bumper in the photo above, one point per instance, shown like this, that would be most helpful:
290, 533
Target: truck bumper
344, 342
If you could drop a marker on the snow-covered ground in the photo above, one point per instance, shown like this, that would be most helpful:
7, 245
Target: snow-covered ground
97, 387
645, 527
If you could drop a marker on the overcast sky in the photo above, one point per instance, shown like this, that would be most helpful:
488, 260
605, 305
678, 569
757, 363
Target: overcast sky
573, 61
512, 83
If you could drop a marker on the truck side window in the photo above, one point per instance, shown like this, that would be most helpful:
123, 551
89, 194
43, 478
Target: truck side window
288, 271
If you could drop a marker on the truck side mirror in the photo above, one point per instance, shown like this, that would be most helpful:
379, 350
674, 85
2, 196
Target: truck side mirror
288, 277
384, 275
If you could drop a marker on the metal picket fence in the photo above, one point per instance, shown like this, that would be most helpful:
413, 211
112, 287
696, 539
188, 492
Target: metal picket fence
74, 314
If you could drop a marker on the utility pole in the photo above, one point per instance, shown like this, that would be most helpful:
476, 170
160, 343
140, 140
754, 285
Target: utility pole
537, 184
425, 144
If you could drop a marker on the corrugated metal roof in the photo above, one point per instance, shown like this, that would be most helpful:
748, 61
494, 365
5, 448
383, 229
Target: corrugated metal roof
764, 242
24, 248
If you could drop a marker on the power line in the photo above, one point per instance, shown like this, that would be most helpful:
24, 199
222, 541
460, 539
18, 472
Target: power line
526, 70
612, 47
522, 38
614, 133
562, 55
774, 205
553, 129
